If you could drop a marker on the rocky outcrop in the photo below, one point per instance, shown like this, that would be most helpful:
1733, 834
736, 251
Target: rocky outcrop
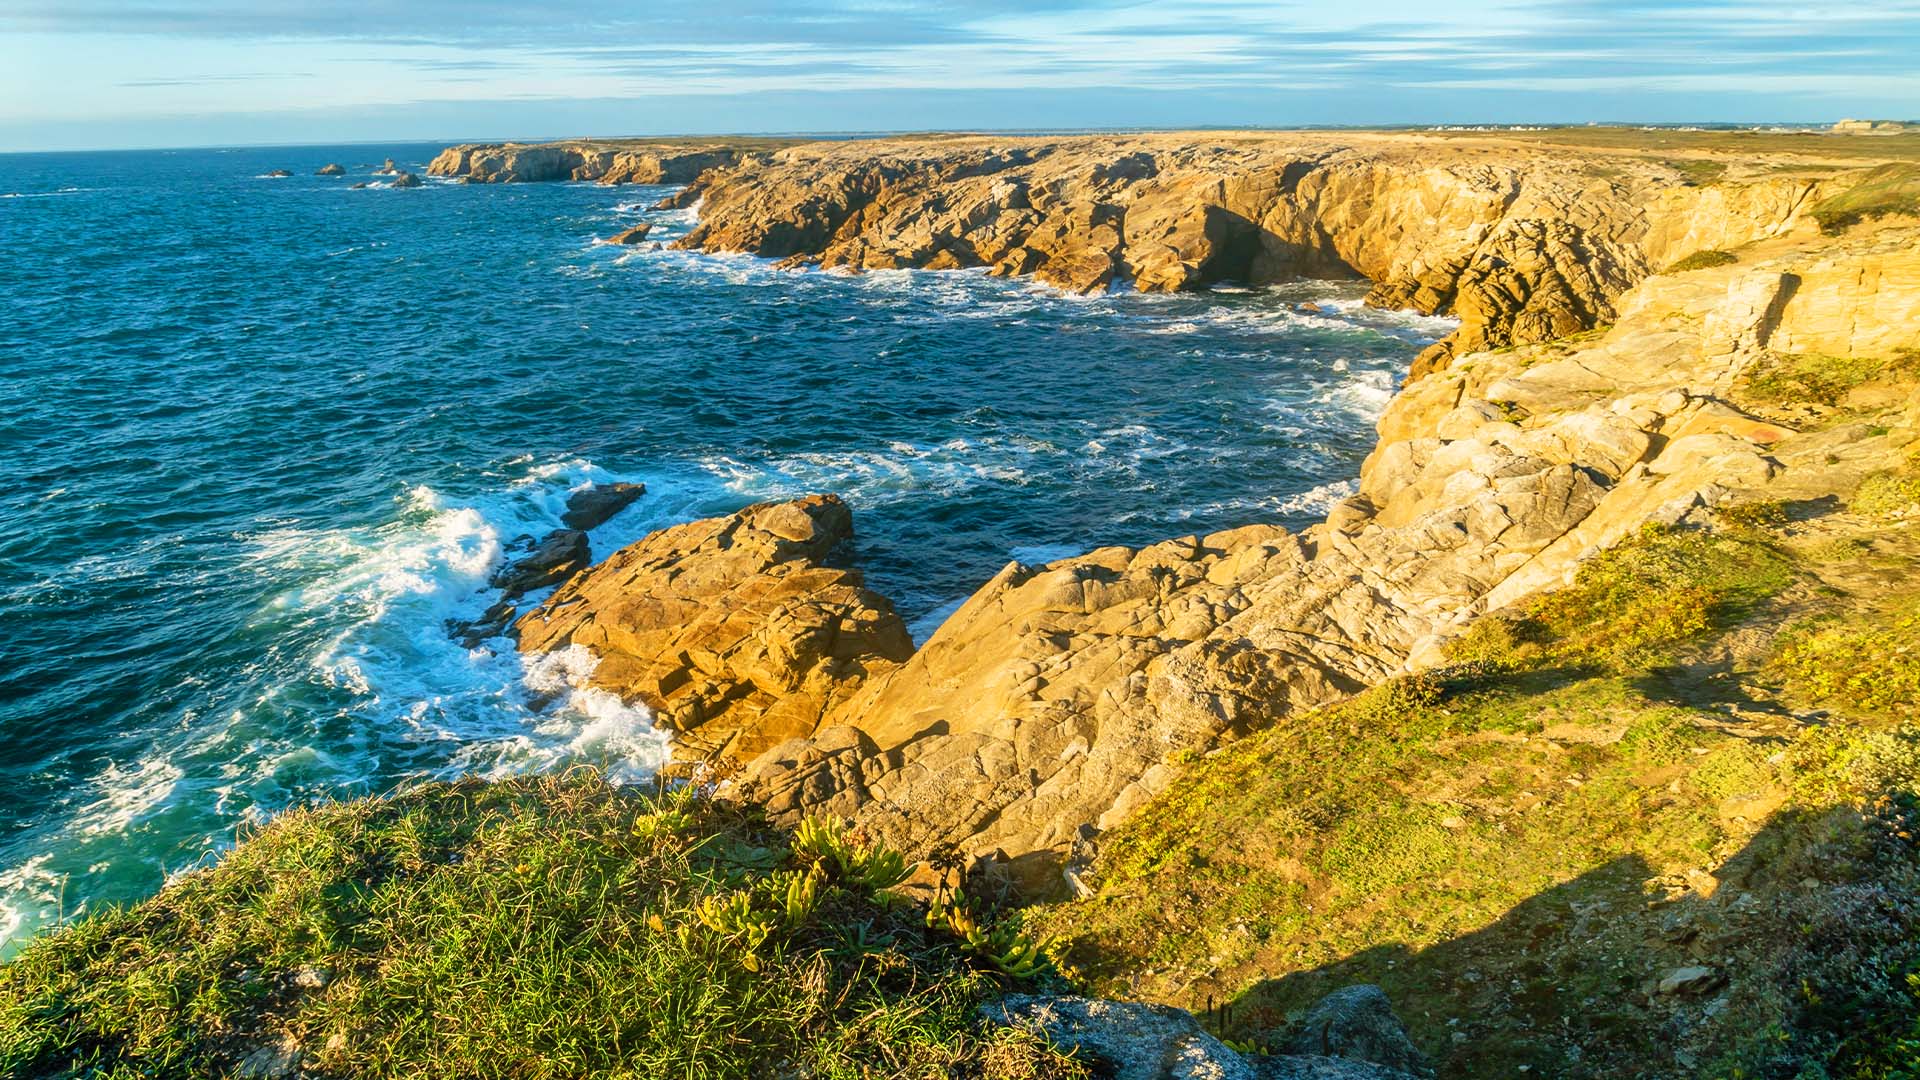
596, 504
734, 631
1061, 697
406, 180
1133, 1041
331, 170
1357, 1023
552, 559
1057, 699
634, 162
1523, 246
387, 168
628, 237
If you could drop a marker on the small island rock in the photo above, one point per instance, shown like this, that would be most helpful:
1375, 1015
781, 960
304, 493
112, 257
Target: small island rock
591, 507
631, 236
331, 169
406, 180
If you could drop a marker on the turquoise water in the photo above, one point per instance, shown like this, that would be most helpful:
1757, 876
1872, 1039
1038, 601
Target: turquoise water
262, 437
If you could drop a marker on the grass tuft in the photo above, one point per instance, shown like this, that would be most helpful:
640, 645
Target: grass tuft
1702, 260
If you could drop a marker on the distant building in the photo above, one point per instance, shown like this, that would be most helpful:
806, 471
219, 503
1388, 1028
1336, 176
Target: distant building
1874, 127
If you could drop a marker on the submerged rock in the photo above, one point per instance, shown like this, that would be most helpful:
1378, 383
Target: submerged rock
277, 174
592, 507
558, 556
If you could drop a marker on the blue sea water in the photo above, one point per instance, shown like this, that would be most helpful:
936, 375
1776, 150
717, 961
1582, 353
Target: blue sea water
262, 437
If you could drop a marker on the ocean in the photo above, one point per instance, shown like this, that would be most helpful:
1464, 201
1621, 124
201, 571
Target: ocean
263, 437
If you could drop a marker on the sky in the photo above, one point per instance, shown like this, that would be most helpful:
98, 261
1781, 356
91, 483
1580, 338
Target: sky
81, 74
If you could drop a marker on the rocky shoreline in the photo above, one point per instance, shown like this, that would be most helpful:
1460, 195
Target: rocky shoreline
1587, 394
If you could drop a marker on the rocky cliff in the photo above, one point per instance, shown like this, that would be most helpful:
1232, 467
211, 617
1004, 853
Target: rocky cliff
1061, 697
1522, 243
604, 162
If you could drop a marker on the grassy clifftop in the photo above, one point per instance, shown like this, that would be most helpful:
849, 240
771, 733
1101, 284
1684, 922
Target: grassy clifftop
525, 928
1659, 823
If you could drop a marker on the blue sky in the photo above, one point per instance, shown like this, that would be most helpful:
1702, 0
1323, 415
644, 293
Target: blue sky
106, 73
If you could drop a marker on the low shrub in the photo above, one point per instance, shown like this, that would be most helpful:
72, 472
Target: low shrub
1872, 665
1702, 260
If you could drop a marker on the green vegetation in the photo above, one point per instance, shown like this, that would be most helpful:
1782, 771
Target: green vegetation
1633, 600
1867, 663
555, 927
1703, 260
1782, 378
1519, 846
1698, 171
1882, 192
1890, 494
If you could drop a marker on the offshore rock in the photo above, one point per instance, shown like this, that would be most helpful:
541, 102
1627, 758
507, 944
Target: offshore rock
331, 170
733, 630
387, 168
406, 180
630, 236
593, 506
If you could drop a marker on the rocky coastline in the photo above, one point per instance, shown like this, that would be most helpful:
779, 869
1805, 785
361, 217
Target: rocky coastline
1587, 394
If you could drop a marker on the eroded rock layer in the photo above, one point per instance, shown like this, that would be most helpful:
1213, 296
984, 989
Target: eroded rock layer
605, 162
1522, 244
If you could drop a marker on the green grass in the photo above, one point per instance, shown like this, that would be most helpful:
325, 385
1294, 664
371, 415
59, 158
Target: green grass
1782, 378
1882, 192
554, 927
1888, 494
1702, 260
1860, 663
1484, 842
1628, 603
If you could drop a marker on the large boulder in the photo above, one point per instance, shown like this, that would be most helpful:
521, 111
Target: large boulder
595, 505
1357, 1023
734, 630
1133, 1041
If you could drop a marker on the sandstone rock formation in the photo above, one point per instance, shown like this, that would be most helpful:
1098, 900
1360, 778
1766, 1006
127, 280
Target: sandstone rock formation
387, 168
734, 630
1055, 700
406, 180
331, 170
605, 162
1523, 245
